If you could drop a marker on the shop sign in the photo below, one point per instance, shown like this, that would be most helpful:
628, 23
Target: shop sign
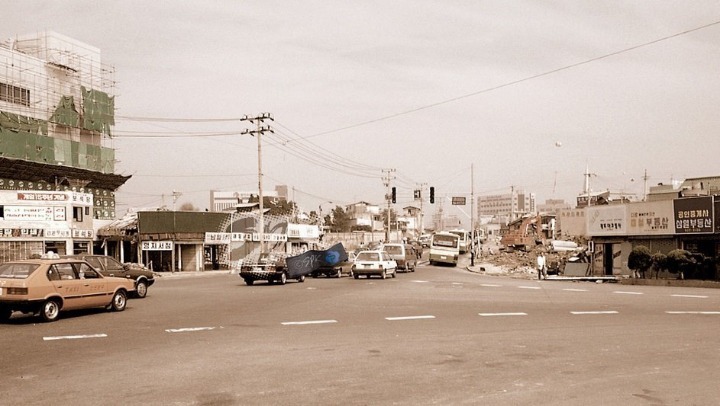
156, 246
651, 218
82, 233
606, 220
42, 196
57, 233
21, 232
694, 215
28, 213
217, 238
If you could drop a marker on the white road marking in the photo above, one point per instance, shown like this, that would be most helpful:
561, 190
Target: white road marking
74, 337
528, 287
420, 281
409, 318
302, 323
575, 290
597, 312
621, 292
693, 312
188, 329
694, 296
489, 285
502, 314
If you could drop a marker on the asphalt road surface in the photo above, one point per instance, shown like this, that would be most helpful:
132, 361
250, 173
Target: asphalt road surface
438, 336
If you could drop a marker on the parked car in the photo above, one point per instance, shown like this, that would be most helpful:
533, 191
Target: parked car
45, 287
404, 255
109, 266
336, 271
370, 263
424, 240
270, 267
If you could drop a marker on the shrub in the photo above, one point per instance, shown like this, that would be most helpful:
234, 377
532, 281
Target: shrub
659, 262
640, 260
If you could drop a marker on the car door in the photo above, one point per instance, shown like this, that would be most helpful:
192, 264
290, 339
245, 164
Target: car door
94, 287
67, 284
388, 262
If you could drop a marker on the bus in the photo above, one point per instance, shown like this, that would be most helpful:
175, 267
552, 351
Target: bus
444, 248
464, 239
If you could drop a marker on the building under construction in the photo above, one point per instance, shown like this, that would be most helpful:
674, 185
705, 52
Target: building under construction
57, 163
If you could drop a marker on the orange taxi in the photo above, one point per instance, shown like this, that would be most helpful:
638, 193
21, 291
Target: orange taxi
47, 286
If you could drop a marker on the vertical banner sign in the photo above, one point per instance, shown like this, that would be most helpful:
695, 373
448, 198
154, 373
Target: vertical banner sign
694, 215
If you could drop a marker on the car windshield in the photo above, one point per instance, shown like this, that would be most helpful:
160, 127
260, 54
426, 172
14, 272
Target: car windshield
368, 256
17, 271
393, 249
445, 241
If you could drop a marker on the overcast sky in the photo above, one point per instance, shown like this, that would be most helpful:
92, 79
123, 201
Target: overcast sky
527, 93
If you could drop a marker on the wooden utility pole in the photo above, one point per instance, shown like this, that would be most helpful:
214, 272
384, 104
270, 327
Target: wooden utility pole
259, 120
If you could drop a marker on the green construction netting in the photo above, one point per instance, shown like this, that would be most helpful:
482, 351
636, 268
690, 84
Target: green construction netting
66, 113
17, 123
98, 110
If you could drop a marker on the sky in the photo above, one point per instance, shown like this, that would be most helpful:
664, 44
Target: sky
470, 97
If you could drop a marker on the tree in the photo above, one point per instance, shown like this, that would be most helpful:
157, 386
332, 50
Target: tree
659, 263
340, 221
187, 206
679, 262
640, 260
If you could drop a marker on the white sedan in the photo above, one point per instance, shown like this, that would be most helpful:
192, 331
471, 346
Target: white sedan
374, 263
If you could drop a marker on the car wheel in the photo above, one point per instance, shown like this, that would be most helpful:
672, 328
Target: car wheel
249, 282
283, 278
119, 301
394, 274
339, 273
356, 276
50, 310
383, 275
141, 289
5, 313
301, 279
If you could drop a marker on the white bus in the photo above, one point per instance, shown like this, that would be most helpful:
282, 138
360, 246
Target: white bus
444, 248
464, 239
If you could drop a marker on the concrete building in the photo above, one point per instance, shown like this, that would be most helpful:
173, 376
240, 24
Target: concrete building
57, 111
511, 205
227, 200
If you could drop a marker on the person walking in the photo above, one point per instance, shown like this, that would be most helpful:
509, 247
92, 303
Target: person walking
541, 268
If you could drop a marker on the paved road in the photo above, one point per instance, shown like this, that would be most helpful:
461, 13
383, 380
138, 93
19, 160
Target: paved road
436, 336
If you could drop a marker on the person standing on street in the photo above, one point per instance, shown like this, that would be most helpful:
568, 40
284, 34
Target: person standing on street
541, 268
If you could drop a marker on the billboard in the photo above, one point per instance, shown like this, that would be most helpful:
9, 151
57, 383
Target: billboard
694, 215
651, 218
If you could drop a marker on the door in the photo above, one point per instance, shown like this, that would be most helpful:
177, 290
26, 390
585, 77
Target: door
68, 284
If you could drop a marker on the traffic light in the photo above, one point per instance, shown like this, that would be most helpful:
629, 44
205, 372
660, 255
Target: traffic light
394, 194
432, 194
416, 194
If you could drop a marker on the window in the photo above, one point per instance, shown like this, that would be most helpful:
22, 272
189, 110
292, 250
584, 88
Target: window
78, 214
65, 271
14, 94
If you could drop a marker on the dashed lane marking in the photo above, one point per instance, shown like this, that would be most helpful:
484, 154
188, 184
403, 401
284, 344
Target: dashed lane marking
595, 312
528, 287
622, 292
302, 323
575, 290
188, 329
490, 285
693, 312
502, 314
409, 318
74, 337
691, 296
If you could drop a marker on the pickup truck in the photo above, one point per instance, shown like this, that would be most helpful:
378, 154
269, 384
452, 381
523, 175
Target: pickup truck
269, 267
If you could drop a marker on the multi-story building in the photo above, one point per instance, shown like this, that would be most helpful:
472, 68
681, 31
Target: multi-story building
228, 200
510, 205
57, 110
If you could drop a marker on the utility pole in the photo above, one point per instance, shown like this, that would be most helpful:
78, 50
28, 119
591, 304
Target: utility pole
472, 215
386, 181
645, 179
422, 213
259, 120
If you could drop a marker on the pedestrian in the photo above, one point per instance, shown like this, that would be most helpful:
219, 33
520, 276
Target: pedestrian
541, 268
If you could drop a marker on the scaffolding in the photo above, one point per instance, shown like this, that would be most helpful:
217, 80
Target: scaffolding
55, 79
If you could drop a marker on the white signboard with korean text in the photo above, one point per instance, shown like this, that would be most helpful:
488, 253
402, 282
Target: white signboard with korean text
651, 218
606, 220
156, 246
